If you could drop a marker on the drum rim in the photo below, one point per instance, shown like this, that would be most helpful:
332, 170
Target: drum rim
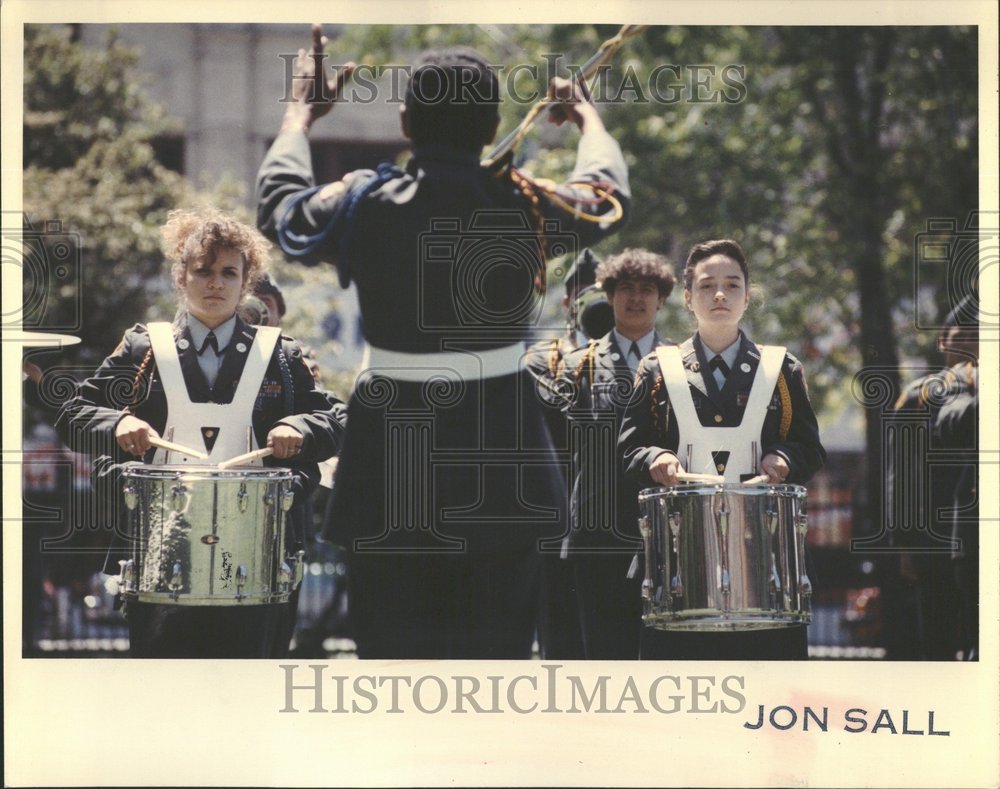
204, 472
709, 488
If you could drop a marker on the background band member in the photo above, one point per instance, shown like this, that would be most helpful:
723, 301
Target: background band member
199, 380
447, 480
712, 380
922, 499
957, 428
603, 536
270, 294
559, 636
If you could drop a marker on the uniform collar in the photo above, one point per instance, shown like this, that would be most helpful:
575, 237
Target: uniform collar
199, 331
646, 343
446, 154
742, 344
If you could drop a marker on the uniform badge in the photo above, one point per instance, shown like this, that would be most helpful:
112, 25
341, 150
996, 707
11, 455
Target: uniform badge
696, 367
241, 347
745, 367
615, 357
183, 344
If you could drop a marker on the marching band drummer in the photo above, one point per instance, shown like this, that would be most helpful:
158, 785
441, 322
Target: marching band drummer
170, 379
705, 399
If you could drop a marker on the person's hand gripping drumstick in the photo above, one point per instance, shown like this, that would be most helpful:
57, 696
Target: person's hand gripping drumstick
666, 469
285, 441
775, 466
134, 435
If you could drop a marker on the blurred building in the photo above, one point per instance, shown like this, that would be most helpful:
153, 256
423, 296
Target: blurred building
223, 86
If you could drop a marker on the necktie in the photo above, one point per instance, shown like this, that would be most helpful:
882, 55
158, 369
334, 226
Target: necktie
719, 364
634, 357
210, 342
210, 363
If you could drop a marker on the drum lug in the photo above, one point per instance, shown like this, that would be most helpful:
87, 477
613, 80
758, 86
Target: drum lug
676, 583
722, 525
179, 497
241, 580
287, 500
647, 550
242, 497
284, 577
774, 581
176, 581
131, 495
126, 576
300, 567
802, 526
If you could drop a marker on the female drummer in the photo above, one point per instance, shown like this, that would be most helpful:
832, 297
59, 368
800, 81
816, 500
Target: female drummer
211, 382
696, 408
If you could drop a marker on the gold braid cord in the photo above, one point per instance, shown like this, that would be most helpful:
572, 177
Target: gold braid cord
555, 360
527, 187
601, 195
138, 378
586, 361
661, 430
600, 58
786, 407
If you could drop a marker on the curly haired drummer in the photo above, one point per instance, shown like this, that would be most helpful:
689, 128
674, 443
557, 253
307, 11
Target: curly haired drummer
211, 382
696, 409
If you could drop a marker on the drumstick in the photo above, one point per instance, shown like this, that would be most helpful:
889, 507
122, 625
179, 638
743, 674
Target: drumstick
257, 453
170, 446
755, 480
687, 476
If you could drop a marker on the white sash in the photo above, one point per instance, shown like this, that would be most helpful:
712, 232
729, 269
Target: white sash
233, 420
703, 441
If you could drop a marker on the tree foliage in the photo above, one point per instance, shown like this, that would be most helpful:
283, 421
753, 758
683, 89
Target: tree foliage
90, 166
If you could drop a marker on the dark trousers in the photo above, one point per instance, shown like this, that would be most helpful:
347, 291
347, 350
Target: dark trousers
559, 634
239, 631
940, 608
610, 605
967, 582
459, 606
783, 643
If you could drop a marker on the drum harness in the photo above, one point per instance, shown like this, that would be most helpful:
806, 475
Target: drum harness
738, 440
229, 417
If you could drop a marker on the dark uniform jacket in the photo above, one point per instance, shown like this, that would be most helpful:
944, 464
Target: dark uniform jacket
916, 520
128, 381
445, 257
545, 362
956, 431
789, 429
602, 506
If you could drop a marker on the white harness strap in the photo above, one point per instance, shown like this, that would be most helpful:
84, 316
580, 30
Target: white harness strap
231, 419
705, 440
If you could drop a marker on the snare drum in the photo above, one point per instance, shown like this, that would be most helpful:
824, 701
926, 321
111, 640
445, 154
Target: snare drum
724, 557
208, 536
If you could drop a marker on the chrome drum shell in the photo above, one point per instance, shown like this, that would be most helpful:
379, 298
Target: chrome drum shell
724, 557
